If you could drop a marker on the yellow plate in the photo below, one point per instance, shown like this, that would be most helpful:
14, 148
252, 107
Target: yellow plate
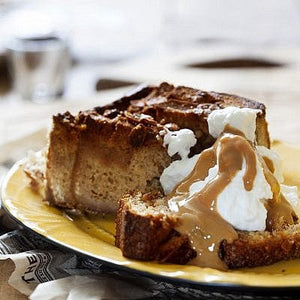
93, 236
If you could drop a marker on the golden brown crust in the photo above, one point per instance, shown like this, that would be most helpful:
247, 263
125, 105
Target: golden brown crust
137, 119
188, 99
186, 107
125, 128
176, 250
261, 248
144, 236
148, 237
189, 108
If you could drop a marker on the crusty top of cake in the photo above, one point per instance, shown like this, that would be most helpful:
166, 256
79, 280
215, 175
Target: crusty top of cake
140, 115
188, 100
182, 99
121, 128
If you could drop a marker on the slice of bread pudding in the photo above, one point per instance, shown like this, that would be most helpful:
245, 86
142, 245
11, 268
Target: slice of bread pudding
100, 154
146, 231
120, 158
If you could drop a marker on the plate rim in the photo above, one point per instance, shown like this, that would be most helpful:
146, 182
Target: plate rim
233, 288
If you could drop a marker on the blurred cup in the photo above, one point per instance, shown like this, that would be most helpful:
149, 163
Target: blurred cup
39, 64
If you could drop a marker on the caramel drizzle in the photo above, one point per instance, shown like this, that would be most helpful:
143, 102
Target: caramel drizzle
269, 163
199, 217
280, 211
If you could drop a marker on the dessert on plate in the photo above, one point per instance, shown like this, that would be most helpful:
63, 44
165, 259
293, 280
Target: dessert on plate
189, 174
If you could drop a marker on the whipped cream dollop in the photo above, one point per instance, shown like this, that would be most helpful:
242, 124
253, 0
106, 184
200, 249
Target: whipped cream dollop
243, 119
178, 142
243, 209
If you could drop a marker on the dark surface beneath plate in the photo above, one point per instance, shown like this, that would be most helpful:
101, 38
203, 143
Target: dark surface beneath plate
236, 63
107, 84
176, 288
5, 77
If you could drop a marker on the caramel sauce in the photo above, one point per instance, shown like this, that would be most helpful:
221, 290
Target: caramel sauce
269, 163
199, 219
280, 211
